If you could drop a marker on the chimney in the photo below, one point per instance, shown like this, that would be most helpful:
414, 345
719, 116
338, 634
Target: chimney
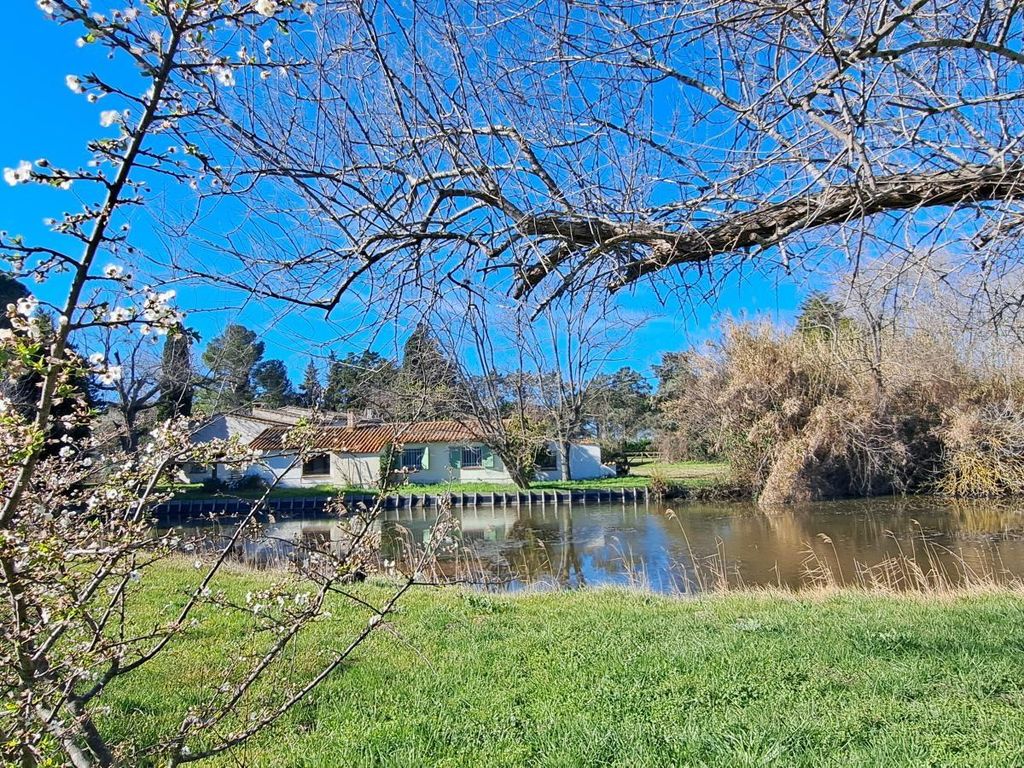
350, 419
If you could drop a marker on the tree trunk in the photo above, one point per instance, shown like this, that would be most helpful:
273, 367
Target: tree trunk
518, 475
564, 448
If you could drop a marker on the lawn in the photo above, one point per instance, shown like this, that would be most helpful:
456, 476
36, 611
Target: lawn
619, 678
681, 470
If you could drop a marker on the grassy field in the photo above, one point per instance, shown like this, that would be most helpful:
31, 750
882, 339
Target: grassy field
617, 678
682, 474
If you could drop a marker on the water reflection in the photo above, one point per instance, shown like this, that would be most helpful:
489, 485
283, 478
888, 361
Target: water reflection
685, 547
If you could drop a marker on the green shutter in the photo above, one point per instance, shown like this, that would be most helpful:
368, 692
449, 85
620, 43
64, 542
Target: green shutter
454, 456
486, 457
425, 461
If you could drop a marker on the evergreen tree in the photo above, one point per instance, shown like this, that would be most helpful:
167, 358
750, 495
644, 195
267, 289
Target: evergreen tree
620, 404
177, 385
358, 381
429, 384
821, 317
312, 390
272, 385
231, 358
334, 385
423, 360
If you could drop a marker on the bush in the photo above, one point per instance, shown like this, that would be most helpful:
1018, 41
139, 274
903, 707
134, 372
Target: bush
615, 455
214, 485
248, 483
659, 484
983, 451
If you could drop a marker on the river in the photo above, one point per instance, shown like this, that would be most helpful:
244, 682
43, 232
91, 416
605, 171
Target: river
684, 546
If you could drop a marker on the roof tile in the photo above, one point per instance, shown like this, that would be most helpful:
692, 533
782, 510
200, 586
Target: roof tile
370, 438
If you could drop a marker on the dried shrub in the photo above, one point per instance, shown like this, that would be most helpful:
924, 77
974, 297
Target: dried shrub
983, 450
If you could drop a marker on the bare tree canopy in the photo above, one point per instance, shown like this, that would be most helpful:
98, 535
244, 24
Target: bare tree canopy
549, 146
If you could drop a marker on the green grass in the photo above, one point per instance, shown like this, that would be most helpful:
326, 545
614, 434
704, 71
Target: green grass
618, 678
681, 470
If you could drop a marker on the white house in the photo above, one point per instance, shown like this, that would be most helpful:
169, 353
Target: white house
432, 452
246, 427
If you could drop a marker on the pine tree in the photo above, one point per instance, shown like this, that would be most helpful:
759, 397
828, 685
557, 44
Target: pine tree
231, 358
176, 375
821, 317
429, 383
272, 386
312, 390
335, 385
358, 380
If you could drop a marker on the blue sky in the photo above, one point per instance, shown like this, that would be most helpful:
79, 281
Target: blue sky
45, 119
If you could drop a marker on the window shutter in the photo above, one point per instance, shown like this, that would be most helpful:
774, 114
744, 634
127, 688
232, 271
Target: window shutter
454, 456
486, 457
425, 461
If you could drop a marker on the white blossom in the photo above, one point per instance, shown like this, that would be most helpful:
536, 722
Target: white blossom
225, 76
46, 6
112, 374
113, 271
120, 315
97, 358
27, 305
18, 175
108, 117
74, 83
266, 7
67, 452
308, 8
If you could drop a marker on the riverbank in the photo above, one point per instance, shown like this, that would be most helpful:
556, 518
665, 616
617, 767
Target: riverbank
616, 677
681, 478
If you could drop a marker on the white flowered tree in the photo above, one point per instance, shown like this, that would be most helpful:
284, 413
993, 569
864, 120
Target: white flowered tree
76, 531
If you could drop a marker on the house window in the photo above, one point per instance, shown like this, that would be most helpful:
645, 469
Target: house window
412, 458
472, 458
545, 459
317, 465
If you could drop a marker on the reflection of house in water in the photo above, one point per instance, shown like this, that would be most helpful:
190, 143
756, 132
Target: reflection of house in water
696, 548
536, 544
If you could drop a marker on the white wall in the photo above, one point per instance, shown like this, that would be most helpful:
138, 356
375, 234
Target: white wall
364, 469
585, 462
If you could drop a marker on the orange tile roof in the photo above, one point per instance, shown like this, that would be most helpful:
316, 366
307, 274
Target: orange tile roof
370, 438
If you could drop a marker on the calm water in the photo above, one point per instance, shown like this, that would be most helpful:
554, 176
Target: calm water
689, 547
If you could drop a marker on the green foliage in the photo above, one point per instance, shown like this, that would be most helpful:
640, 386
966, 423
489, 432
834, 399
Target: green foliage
177, 379
470, 680
428, 384
358, 381
389, 458
822, 318
615, 455
311, 391
620, 405
231, 358
271, 384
